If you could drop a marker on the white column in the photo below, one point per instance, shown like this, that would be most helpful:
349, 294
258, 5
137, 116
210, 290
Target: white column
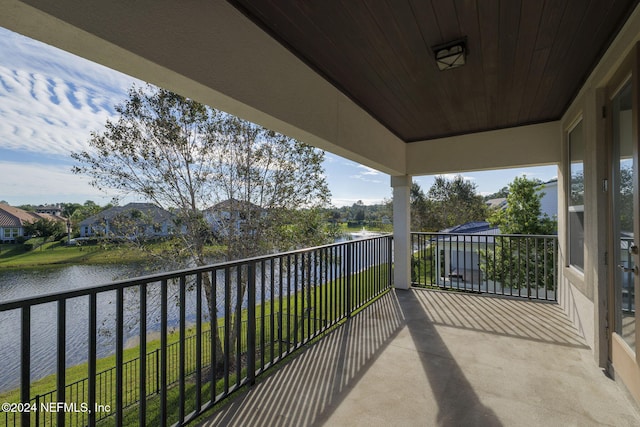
401, 232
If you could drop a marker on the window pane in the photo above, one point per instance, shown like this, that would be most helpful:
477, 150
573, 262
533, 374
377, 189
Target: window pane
623, 211
576, 197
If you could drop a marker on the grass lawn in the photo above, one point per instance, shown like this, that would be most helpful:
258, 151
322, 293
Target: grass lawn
58, 253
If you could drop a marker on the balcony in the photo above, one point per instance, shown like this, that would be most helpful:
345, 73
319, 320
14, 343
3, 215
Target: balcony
349, 348
438, 358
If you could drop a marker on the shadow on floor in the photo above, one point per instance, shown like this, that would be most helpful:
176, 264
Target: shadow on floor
310, 388
457, 401
434, 358
538, 321
305, 390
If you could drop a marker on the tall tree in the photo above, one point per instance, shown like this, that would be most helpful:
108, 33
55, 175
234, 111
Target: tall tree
421, 209
523, 212
45, 228
502, 193
510, 261
455, 202
185, 157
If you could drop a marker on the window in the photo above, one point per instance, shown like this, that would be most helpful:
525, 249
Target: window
575, 204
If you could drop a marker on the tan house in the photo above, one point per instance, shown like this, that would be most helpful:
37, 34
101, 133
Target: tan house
13, 220
419, 88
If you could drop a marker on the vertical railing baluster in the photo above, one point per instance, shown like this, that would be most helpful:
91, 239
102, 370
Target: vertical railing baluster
238, 327
198, 352
263, 306
389, 261
545, 271
486, 261
182, 349
317, 304
37, 413
213, 333
309, 308
348, 273
334, 275
375, 263
554, 262
272, 287
227, 327
527, 266
280, 304
251, 323
289, 330
536, 255
357, 291
512, 268
93, 329
142, 409
365, 277
25, 363
156, 361
302, 294
295, 300
416, 257
499, 276
164, 416
61, 363
119, 354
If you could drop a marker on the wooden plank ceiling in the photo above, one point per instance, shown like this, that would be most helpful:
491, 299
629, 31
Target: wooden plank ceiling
526, 59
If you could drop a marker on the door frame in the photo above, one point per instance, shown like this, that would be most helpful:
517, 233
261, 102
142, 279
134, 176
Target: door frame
623, 363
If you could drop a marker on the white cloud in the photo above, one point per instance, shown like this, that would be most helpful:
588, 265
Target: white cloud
50, 100
368, 170
368, 174
47, 115
35, 181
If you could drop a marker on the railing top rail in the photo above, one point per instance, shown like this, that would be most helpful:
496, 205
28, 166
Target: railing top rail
125, 283
437, 233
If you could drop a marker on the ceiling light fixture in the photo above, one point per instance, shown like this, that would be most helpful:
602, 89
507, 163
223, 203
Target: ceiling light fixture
451, 55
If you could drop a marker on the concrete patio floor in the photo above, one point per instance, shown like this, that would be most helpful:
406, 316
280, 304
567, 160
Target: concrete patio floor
431, 358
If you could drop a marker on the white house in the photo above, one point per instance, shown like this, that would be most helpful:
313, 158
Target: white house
549, 199
131, 220
13, 220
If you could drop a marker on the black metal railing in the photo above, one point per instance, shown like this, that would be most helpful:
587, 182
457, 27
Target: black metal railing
516, 265
261, 310
626, 278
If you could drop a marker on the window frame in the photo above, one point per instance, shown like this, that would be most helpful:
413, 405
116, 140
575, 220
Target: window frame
571, 207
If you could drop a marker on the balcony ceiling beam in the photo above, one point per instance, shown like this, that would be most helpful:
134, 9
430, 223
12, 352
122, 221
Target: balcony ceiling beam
532, 145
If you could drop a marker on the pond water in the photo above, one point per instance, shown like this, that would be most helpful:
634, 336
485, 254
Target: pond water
33, 282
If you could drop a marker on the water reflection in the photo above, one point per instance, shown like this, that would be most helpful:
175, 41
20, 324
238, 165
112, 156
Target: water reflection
29, 283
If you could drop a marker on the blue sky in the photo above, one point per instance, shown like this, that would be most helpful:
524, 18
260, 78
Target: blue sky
50, 102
